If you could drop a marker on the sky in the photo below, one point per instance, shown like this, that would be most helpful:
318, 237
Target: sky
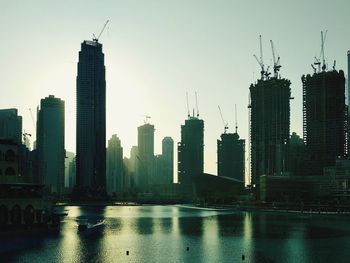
156, 51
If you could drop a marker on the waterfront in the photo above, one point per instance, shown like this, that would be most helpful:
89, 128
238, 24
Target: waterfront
185, 234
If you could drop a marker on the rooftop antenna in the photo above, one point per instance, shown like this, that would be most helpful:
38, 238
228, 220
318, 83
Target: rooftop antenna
260, 61
196, 105
188, 108
223, 121
236, 117
99, 35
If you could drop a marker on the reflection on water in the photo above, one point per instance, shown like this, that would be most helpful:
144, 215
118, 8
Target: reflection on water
163, 234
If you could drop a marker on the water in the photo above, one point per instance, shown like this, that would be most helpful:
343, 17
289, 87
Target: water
163, 233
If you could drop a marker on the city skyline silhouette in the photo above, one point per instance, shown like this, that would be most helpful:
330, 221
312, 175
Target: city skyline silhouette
157, 53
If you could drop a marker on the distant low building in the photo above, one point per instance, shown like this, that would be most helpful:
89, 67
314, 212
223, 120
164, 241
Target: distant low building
211, 188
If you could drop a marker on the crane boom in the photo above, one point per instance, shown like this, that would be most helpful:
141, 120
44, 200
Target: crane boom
223, 121
99, 35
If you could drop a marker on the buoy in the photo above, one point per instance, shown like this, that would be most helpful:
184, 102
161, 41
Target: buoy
243, 257
127, 252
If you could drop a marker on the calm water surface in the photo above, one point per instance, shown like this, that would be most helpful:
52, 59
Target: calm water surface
163, 233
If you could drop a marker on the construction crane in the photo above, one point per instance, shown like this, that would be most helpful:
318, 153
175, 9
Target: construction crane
31, 116
147, 118
197, 104
99, 35
321, 59
188, 108
223, 121
323, 40
25, 138
261, 60
236, 117
276, 63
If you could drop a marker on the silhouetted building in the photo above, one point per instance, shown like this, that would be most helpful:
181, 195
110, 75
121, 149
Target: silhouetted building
91, 119
10, 125
68, 160
190, 152
9, 162
324, 119
132, 166
269, 126
145, 156
348, 77
295, 155
50, 144
231, 156
159, 169
72, 172
115, 173
168, 160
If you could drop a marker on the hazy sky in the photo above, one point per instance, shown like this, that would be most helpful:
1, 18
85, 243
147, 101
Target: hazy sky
156, 50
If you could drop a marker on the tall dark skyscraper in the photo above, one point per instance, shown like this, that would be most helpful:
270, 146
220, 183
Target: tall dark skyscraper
269, 126
168, 159
50, 144
91, 118
324, 119
191, 151
145, 156
231, 156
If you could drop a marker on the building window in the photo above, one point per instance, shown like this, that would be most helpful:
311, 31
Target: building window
10, 171
29, 214
16, 215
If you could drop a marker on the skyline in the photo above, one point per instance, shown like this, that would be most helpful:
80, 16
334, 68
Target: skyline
146, 63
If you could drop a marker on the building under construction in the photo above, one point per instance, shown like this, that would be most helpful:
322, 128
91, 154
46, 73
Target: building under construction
324, 119
190, 152
231, 156
269, 126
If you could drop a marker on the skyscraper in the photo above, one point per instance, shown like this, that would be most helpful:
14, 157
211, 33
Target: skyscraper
10, 125
269, 126
348, 78
50, 144
324, 119
115, 179
91, 119
145, 157
168, 160
231, 156
191, 152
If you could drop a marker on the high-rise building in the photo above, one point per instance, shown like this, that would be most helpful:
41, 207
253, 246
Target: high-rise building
348, 78
269, 126
68, 160
324, 119
50, 144
145, 156
115, 178
72, 172
231, 156
168, 160
191, 152
91, 119
10, 125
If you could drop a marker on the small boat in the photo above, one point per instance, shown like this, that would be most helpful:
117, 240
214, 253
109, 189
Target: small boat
88, 228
